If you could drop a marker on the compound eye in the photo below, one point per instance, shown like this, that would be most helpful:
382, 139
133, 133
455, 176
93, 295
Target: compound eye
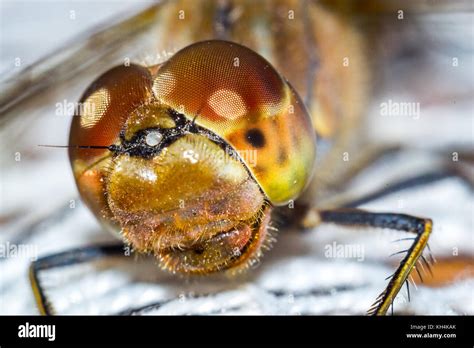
222, 81
107, 104
236, 94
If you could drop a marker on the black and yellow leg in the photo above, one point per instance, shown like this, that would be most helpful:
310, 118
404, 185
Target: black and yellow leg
340, 212
67, 258
419, 226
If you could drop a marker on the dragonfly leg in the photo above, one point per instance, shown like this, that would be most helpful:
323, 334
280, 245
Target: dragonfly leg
344, 213
421, 227
66, 258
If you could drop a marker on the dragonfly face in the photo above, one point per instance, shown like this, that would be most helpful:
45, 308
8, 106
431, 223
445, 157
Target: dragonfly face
235, 137
167, 156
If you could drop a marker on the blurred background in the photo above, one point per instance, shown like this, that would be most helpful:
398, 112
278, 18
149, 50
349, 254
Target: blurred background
50, 51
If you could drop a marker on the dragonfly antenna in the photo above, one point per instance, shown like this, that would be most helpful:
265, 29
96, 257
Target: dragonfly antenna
77, 146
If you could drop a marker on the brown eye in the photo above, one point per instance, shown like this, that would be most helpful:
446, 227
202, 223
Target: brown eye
224, 82
235, 93
108, 103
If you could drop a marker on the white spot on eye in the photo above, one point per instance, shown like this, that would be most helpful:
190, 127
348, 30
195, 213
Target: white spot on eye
164, 84
95, 107
153, 138
227, 104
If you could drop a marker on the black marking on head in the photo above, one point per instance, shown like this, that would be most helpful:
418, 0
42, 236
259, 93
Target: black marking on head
137, 145
255, 137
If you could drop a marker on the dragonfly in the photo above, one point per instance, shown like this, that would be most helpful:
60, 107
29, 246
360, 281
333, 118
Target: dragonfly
324, 50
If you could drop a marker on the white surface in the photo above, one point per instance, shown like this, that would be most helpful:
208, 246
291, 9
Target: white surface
295, 277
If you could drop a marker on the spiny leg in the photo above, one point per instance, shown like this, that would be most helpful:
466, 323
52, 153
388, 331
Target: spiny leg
314, 216
63, 259
401, 222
